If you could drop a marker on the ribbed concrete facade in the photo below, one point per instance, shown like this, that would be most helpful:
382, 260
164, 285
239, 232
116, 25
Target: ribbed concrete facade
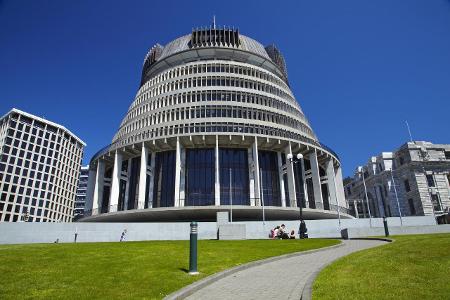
213, 124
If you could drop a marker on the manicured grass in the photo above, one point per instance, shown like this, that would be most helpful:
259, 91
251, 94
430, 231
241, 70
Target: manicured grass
412, 267
130, 270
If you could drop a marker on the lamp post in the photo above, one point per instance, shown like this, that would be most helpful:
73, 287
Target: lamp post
367, 198
299, 160
262, 196
396, 196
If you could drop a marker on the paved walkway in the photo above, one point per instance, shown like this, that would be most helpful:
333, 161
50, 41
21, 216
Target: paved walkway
282, 279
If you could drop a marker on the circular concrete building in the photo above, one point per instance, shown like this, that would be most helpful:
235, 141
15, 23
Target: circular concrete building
214, 126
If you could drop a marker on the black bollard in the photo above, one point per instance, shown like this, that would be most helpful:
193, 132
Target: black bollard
193, 249
386, 229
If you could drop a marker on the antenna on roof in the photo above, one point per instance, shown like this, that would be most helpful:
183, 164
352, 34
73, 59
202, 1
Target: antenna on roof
409, 131
214, 21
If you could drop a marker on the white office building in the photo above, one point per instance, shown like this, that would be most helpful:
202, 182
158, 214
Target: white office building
39, 169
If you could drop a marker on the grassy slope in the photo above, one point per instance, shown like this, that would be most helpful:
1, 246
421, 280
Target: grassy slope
413, 267
124, 270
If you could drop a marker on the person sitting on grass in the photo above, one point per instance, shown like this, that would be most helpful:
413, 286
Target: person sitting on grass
275, 233
292, 235
282, 233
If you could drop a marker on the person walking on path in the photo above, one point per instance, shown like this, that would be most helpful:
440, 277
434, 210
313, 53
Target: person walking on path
122, 237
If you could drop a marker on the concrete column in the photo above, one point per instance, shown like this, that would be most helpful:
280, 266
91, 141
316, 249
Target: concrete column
152, 181
98, 189
90, 191
177, 173
281, 179
115, 182
256, 181
291, 178
251, 176
331, 183
316, 177
217, 174
305, 186
340, 187
143, 177
183, 176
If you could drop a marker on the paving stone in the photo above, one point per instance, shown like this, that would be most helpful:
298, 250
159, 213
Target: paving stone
282, 279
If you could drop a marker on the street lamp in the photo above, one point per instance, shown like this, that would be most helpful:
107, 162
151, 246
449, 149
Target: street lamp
396, 196
292, 161
367, 198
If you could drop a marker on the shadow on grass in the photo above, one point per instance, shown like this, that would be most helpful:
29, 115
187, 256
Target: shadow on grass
184, 270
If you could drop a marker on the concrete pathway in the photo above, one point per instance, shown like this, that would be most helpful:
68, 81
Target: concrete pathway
281, 279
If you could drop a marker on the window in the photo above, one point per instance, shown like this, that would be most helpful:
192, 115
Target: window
447, 154
270, 187
235, 160
200, 177
411, 207
436, 202
164, 179
430, 180
407, 187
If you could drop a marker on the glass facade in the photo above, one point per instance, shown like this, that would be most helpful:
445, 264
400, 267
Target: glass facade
299, 186
164, 193
310, 190
133, 183
200, 177
270, 182
235, 160
148, 198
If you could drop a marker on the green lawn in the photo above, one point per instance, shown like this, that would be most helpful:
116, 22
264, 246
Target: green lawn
130, 270
412, 267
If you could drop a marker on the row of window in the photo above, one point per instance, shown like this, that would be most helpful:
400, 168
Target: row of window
212, 81
193, 128
210, 95
35, 172
202, 68
213, 95
33, 208
40, 130
37, 188
218, 111
43, 166
36, 154
44, 147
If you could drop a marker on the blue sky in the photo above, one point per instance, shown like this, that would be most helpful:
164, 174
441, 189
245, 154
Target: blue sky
359, 68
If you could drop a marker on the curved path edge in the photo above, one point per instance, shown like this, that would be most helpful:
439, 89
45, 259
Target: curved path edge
193, 287
307, 289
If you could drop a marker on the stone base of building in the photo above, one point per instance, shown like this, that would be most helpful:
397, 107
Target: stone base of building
208, 214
